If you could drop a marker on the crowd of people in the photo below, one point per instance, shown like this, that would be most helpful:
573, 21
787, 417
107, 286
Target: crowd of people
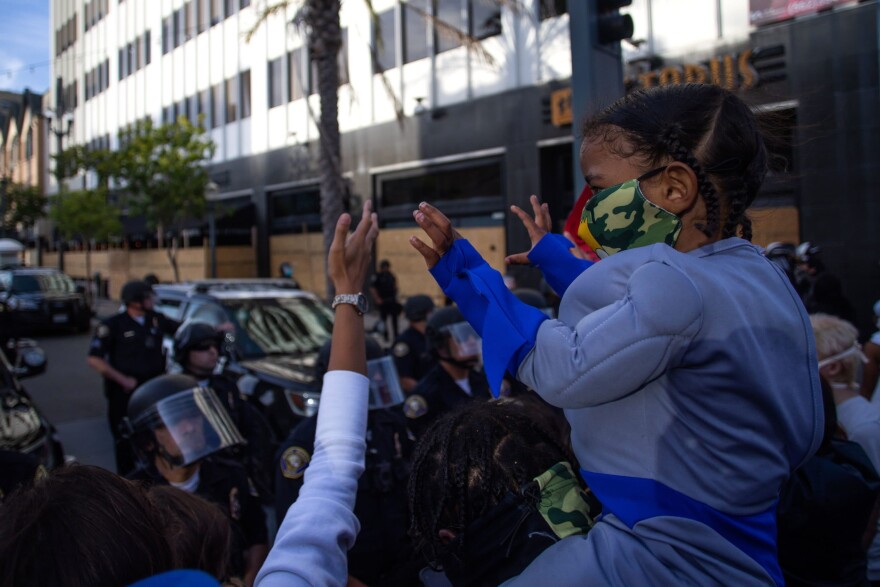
695, 411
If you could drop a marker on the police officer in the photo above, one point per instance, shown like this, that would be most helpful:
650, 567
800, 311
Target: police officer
197, 350
382, 554
410, 349
177, 430
455, 378
127, 351
383, 287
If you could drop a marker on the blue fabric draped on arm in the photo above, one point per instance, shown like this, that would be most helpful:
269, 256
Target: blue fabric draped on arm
553, 257
508, 327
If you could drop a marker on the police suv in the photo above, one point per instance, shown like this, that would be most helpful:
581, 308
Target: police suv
273, 345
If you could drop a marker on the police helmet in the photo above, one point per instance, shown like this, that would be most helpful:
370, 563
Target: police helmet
192, 334
194, 423
778, 249
418, 307
136, 291
807, 251
436, 330
374, 351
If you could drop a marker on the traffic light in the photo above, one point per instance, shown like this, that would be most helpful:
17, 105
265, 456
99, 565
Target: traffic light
611, 26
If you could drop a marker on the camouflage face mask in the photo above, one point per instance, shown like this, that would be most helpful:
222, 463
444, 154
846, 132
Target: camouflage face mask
621, 217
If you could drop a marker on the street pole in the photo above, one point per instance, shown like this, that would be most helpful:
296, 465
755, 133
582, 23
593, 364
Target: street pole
3, 183
211, 190
596, 64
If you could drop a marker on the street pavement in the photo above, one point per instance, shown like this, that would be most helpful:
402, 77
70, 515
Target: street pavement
71, 395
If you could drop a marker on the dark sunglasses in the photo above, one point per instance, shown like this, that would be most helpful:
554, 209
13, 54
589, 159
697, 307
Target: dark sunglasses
206, 346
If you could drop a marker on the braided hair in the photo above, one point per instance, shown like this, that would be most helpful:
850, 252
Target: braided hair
703, 126
467, 461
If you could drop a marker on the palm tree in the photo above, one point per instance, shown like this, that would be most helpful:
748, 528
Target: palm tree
320, 21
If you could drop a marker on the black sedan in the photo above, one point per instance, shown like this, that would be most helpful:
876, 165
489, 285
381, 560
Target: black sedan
43, 298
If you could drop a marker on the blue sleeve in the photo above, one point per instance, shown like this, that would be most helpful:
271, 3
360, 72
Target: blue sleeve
553, 257
507, 325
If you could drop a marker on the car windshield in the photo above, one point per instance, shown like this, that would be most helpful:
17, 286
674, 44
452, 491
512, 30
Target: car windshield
42, 282
279, 326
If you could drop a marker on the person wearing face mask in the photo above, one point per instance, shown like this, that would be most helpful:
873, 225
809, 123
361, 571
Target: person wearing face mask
684, 360
454, 379
840, 356
871, 372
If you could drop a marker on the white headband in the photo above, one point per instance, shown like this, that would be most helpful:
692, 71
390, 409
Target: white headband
856, 348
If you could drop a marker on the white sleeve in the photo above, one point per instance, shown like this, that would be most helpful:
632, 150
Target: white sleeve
860, 419
615, 350
313, 541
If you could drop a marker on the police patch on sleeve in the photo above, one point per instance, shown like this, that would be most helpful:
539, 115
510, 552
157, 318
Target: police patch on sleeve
294, 462
400, 350
415, 406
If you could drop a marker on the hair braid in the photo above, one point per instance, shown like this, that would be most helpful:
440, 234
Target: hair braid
737, 195
710, 195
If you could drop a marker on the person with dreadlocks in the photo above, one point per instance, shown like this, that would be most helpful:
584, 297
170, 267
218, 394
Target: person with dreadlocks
490, 489
684, 360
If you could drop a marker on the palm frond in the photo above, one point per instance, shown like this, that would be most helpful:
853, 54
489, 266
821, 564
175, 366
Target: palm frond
265, 14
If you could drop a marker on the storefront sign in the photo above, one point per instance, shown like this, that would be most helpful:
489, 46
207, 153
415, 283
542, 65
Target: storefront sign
560, 107
767, 11
733, 72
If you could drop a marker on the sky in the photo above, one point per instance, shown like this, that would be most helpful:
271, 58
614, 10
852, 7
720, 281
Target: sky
24, 45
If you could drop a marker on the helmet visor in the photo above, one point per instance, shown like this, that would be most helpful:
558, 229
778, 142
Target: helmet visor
191, 425
385, 390
464, 341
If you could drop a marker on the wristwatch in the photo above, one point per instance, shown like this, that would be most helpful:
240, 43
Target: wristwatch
358, 300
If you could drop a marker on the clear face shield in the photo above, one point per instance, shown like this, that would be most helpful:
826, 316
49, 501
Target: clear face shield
385, 390
189, 426
464, 342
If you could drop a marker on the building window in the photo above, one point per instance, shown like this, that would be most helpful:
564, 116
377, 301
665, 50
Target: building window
485, 18
192, 106
245, 3
276, 82
415, 30
138, 54
232, 98
231, 7
167, 42
245, 85
129, 64
146, 48
122, 64
297, 76
204, 15
191, 19
470, 189
291, 209
385, 41
216, 11
217, 105
29, 144
179, 36
449, 12
205, 107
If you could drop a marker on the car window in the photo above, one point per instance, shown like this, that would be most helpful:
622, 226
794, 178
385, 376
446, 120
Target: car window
170, 307
42, 282
210, 313
279, 326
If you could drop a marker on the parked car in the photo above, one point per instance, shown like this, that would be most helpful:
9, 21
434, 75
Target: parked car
23, 428
43, 298
278, 330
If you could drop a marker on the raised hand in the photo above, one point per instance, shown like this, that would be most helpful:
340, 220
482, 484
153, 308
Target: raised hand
438, 228
537, 227
349, 258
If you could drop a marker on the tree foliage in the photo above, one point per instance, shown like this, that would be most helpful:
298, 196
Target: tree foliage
162, 169
86, 214
24, 206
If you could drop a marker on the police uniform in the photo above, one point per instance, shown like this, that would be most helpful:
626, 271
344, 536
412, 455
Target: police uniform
257, 455
385, 285
225, 483
410, 352
382, 554
437, 393
133, 349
